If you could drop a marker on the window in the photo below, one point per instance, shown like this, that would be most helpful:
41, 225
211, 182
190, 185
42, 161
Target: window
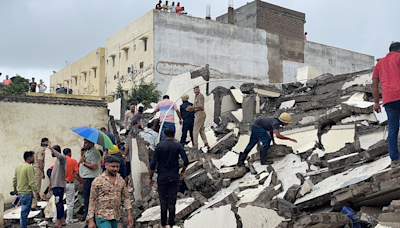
126, 54
113, 59
94, 72
141, 65
85, 77
145, 44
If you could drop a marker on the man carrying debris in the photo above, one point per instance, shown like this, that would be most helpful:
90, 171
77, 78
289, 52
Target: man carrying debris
259, 132
128, 117
163, 106
106, 194
188, 119
38, 166
387, 72
165, 159
24, 185
199, 119
89, 168
58, 183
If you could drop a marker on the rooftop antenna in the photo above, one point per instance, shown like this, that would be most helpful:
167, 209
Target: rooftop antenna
208, 12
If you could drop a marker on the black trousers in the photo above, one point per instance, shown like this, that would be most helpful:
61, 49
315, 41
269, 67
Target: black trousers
87, 184
167, 192
185, 128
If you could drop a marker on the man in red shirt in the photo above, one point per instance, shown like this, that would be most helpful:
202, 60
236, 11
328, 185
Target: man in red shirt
70, 174
178, 8
158, 6
387, 72
6, 81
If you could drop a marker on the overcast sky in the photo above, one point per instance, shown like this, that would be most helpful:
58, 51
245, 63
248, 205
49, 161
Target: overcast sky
38, 36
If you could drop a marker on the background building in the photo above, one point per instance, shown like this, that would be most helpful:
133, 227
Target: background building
85, 76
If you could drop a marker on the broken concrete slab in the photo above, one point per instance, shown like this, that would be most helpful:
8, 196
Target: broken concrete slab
211, 217
356, 106
343, 161
286, 169
266, 93
253, 216
183, 207
227, 198
233, 172
224, 144
201, 181
15, 212
305, 188
369, 139
326, 220
291, 193
303, 135
341, 133
242, 143
246, 184
322, 191
238, 114
229, 104
287, 104
229, 159
368, 117
238, 95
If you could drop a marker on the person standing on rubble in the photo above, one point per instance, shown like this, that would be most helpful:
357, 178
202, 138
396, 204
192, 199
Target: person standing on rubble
58, 183
106, 194
128, 117
165, 158
137, 117
24, 185
163, 106
71, 174
199, 119
89, 168
38, 166
188, 119
387, 72
259, 132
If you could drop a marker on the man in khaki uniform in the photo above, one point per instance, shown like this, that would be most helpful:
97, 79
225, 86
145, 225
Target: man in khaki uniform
38, 166
128, 117
199, 119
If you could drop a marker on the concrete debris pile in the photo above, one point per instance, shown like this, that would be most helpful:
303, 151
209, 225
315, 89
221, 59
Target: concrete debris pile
341, 159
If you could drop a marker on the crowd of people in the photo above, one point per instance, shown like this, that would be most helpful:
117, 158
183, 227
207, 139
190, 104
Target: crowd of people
171, 8
33, 86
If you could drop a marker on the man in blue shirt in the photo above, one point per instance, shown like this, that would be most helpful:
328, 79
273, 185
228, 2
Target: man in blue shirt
259, 132
166, 156
188, 119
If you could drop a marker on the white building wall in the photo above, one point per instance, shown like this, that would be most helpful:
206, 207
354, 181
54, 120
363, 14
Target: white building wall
184, 43
23, 125
328, 59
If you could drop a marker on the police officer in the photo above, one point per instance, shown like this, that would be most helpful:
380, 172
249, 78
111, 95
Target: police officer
187, 119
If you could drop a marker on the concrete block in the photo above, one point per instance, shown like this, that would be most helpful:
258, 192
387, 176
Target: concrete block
369, 117
341, 134
252, 216
233, 173
245, 184
326, 220
303, 135
229, 104
115, 109
266, 93
238, 114
238, 95
287, 104
305, 73
227, 198
224, 144
375, 152
200, 181
222, 217
305, 188
183, 208
249, 108
367, 140
358, 106
198, 196
291, 193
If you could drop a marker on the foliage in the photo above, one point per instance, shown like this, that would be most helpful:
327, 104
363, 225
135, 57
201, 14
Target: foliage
119, 93
143, 93
19, 85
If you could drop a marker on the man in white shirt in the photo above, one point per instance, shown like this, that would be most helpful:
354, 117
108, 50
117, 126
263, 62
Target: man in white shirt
172, 8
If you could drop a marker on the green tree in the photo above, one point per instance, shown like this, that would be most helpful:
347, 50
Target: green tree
119, 93
143, 93
19, 85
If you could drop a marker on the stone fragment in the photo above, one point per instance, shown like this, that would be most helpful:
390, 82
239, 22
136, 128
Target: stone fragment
226, 182
233, 173
253, 216
200, 181
291, 193
315, 160
229, 159
198, 196
360, 107
183, 208
245, 184
266, 194
381, 149
287, 104
224, 145
222, 217
305, 188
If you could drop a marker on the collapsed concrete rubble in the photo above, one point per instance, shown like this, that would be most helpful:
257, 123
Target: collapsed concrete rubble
341, 159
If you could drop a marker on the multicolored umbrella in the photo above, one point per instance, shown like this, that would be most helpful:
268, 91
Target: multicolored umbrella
94, 135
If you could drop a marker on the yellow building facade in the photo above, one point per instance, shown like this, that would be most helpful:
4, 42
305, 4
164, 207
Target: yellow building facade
85, 76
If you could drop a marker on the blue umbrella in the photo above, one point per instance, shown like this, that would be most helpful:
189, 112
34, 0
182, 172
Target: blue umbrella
95, 136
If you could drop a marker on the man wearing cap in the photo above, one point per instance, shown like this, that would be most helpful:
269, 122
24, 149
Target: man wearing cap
200, 118
259, 132
188, 119
38, 166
